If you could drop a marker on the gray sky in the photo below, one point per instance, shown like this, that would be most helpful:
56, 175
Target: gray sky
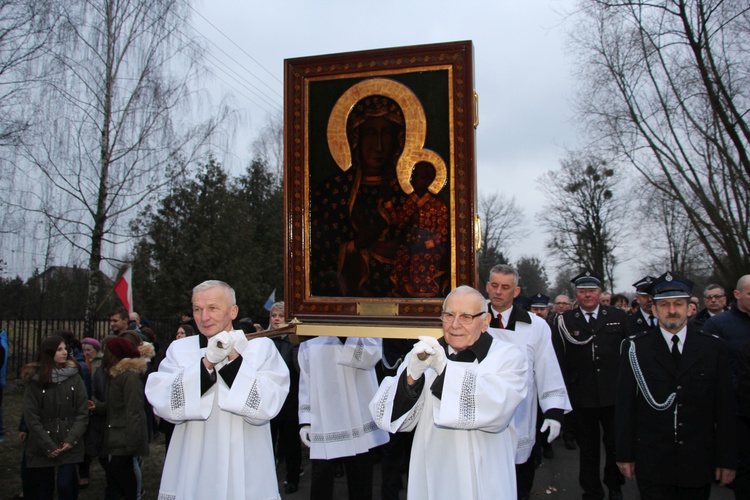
522, 75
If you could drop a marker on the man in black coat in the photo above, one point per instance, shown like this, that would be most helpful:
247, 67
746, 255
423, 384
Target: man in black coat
587, 342
676, 430
643, 319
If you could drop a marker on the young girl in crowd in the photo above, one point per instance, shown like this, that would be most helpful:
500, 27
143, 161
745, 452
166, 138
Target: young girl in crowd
56, 413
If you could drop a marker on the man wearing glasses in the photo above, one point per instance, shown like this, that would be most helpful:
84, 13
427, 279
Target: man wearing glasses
715, 300
459, 394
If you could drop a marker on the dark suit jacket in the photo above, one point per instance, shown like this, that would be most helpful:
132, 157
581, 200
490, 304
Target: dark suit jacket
682, 449
637, 323
590, 370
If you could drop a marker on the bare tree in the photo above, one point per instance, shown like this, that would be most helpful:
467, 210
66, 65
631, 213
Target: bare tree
501, 221
584, 215
25, 30
665, 86
114, 119
672, 239
268, 146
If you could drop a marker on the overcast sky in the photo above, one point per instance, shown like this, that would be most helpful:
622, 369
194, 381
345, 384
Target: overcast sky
522, 74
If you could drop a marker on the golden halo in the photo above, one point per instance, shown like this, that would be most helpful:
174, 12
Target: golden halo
428, 155
415, 126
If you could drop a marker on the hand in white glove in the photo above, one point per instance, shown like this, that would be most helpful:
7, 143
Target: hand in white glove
304, 435
240, 341
553, 426
219, 347
437, 359
417, 366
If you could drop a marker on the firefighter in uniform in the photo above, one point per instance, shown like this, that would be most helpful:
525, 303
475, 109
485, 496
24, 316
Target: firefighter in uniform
675, 407
587, 341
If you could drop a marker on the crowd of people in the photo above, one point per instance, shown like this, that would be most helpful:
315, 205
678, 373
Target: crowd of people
662, 387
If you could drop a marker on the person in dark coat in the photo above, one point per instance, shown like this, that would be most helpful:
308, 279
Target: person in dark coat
733, 327
742, 480
285, 425
587, 343
676, 427
643, 319
127, 432
715, 300
56, 412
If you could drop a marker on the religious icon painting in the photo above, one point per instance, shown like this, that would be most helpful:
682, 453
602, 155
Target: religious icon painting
380, 183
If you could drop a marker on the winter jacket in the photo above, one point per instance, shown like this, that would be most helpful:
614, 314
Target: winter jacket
127, 433
95, 437
55, 415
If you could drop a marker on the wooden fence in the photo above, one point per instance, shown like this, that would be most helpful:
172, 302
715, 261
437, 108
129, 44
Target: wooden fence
26, 335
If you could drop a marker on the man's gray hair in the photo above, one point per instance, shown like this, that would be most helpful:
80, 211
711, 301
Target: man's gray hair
467, 290
207, 285
713, 286
505, 269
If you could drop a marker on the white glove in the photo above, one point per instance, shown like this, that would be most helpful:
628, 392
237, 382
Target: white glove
214, 353
417, 366
437, 359
553, 426
240, 341
304, 435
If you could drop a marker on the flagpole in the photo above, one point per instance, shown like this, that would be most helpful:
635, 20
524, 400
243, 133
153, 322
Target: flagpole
105, 299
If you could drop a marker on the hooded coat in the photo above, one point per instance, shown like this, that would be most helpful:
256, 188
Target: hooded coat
126, 417
55, 415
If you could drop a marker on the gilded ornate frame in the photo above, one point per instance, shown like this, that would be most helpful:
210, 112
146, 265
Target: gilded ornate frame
434, 86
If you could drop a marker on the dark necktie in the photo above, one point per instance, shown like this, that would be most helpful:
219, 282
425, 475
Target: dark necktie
676, 354
591, 318
651, 320
500, 321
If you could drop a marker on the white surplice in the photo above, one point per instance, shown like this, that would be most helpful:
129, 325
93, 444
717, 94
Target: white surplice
463, 444
221, 446
544, 379
336, 384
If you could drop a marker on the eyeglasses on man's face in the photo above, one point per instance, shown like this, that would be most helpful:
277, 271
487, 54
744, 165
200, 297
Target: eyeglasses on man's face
464, 319
713, 297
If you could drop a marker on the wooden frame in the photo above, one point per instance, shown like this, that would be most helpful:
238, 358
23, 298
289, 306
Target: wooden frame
370, 248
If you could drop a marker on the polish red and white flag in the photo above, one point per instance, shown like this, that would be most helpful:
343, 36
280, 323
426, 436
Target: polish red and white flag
124, 289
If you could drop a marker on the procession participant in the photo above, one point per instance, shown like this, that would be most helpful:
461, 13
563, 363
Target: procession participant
715, 299
733, 327
337, 380
460, 395
55, 411
127, 432
587, 340
675, 410
285, 425
643, 319
221, 391
540, 305
545, 383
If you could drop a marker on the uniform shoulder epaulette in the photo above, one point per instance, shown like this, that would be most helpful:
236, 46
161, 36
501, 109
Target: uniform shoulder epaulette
639, 335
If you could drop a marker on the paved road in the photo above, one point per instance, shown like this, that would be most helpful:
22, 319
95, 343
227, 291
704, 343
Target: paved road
556, 479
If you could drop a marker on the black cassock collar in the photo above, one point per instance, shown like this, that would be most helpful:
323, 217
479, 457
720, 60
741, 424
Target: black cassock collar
478, 350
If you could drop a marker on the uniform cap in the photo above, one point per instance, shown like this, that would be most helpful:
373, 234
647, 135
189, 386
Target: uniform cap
539, 300
587, 279
670, 286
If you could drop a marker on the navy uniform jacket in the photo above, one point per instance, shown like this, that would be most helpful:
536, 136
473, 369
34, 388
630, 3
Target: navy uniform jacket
637, 323
685, 448
590, 370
